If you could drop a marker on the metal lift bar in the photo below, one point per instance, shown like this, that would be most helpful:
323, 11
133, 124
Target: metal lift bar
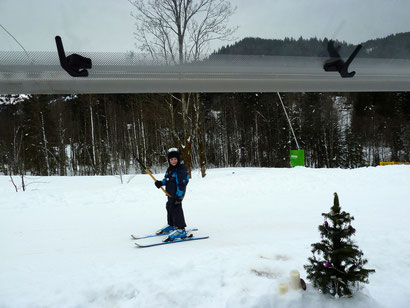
130, 73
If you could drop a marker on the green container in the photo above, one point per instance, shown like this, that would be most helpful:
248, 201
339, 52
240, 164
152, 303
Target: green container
297, 158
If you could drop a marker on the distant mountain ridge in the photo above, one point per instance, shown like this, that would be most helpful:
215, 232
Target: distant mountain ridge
395, 46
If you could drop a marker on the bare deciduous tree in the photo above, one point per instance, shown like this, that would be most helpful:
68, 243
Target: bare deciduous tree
180, 31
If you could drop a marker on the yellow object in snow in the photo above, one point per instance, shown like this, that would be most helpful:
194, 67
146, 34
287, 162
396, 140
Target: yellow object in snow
385, 163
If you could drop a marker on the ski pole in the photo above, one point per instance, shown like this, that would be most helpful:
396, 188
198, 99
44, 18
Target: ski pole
149, 172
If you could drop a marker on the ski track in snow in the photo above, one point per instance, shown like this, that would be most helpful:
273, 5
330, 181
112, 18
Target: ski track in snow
65, 242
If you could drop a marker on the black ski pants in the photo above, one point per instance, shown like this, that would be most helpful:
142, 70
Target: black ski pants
175, 214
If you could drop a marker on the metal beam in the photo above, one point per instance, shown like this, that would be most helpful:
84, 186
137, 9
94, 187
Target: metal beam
123, 73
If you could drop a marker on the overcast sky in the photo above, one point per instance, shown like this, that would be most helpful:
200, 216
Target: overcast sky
106, 25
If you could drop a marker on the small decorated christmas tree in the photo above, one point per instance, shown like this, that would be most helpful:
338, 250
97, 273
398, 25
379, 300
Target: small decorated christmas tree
336, 267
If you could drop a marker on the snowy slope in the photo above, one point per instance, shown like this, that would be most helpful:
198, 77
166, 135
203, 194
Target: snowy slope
65, 242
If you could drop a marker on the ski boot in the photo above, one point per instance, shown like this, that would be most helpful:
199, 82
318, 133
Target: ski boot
165, 230
178, 234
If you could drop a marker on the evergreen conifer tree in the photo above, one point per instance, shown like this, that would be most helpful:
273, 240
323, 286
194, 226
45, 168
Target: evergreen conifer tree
336, 267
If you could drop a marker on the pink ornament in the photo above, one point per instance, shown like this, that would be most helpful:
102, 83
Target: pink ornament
327, 264
351, 228
326, 224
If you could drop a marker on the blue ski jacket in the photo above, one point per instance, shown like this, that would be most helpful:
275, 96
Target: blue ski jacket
176, 179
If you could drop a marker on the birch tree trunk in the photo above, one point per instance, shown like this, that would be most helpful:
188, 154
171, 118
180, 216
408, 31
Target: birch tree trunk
62, 148
200, 135
94, 162
45, 147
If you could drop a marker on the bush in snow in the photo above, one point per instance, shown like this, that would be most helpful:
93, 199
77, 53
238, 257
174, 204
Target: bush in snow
336, 267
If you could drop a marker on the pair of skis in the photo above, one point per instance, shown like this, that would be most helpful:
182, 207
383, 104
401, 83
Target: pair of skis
153, 242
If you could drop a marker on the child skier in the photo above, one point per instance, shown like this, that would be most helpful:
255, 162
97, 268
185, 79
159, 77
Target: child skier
175, 181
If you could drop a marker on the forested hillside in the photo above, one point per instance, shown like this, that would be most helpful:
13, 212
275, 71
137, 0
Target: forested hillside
98, 134
395, 46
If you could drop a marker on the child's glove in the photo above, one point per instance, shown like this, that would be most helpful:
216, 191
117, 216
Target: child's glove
178, 200
158, 184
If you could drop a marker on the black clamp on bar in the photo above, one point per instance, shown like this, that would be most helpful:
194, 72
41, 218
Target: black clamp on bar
74, 64
336, 64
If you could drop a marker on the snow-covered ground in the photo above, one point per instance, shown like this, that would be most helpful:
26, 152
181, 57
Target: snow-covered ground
65, 242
